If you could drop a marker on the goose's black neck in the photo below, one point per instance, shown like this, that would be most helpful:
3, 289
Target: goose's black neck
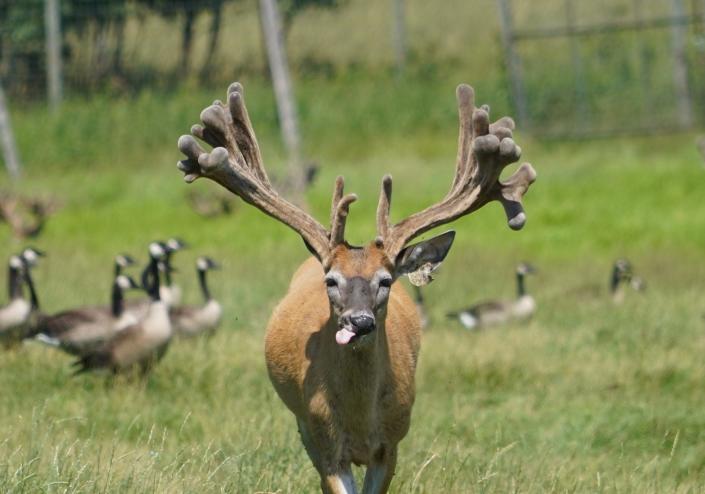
150, 279
521, 287
14, 282
118, 269
204, 286
117, 299
167, 268
33, 299
616, 279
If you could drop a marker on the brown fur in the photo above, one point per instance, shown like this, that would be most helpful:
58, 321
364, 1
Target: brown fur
354, 403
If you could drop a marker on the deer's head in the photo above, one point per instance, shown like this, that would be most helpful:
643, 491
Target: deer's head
358, 280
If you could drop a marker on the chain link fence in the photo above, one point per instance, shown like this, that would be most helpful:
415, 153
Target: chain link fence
572, 67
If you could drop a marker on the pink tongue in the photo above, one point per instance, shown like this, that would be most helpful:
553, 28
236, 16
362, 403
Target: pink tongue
344, 336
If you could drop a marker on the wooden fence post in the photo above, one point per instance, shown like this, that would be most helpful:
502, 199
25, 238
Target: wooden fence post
52, 25
286, 106
7, 140
513, 62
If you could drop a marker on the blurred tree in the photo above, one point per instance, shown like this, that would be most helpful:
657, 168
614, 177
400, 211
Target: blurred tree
22, 43
98, 18
190, 9
291, 8
22, 36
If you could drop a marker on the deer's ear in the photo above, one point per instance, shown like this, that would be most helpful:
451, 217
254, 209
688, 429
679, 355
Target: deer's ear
431, 251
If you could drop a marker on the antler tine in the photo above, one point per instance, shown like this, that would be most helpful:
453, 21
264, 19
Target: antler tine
340, 216
484, 150
383, 207
466, 106
511, 193
338, 189
236, 164
246, 139
339, 210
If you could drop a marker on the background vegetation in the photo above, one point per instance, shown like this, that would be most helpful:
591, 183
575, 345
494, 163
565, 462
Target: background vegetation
124, 46
588, 397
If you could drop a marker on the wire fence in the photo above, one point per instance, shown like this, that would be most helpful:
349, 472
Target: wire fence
629, 67
571, 67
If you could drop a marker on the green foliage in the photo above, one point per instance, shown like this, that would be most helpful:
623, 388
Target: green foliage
588, 397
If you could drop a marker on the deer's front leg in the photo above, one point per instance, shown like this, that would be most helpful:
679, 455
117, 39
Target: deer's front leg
324, 448
380, 472
341, 482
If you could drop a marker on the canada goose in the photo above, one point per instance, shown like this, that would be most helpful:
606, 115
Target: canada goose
78, 330
141, 344
122, 261
494, 312
14, 315
622, 275
82, 330
170, 292
30, 257
192, 320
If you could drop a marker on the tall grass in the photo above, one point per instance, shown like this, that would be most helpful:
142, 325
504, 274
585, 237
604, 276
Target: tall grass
588, 397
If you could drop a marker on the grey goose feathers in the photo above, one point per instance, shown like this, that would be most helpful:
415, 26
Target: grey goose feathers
141, 344
495, 312
195, 320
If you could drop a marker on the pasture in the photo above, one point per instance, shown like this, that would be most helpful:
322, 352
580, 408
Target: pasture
588, 397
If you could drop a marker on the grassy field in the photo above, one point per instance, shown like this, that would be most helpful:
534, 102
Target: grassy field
588, 397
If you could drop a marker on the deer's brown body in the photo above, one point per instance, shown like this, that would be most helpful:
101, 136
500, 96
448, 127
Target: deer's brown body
351, 404
342, 346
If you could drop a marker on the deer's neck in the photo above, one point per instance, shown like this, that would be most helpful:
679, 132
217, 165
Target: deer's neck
357, 368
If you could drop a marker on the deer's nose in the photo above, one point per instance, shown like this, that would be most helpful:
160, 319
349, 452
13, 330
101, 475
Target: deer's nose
363, 322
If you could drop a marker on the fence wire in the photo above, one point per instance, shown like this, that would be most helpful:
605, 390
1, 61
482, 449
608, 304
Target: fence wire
582, 68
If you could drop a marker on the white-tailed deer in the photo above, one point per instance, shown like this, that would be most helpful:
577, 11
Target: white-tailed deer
342, 346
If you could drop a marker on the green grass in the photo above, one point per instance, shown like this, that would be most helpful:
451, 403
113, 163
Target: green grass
588, 397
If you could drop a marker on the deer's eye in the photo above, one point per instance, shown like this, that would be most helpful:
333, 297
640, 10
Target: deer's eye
331, 282
385, 282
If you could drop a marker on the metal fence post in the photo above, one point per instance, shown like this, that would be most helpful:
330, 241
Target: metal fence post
582, 111
52, 25
7, 140
513, 61
680, 65
399, 35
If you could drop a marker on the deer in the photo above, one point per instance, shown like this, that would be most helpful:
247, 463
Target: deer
342, 346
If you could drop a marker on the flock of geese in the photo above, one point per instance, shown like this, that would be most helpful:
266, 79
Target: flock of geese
136, 332
119, 337
522, 308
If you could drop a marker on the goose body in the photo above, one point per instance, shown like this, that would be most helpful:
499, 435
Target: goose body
13, 320
193, 320
498, 312
141, 344
82, 330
